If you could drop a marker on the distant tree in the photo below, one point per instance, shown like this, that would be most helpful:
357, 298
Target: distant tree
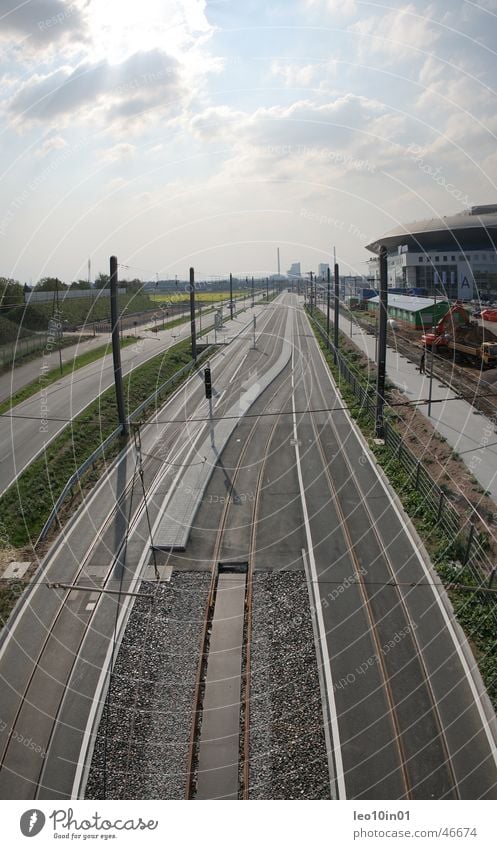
102, 281
132, 285
80, 284
50, 284
11, 292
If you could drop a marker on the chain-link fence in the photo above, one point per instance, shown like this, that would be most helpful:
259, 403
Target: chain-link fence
12, 351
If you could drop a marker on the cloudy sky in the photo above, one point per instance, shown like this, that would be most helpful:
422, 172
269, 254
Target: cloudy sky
187, 132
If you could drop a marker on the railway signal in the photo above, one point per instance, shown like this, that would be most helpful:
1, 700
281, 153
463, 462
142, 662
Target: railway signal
208, 383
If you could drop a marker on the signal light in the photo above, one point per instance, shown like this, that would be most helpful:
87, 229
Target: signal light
208, 383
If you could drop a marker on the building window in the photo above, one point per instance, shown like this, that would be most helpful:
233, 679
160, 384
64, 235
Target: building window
437, 259
420, 259
484, 257
461, 259
452, 259
445, 259
476, 257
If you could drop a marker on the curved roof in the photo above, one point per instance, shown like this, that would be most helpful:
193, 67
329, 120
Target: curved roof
473, 228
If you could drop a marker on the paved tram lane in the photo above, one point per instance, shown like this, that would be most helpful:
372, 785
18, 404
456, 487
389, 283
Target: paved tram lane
29, 427
52, 654
292, 491
409, 723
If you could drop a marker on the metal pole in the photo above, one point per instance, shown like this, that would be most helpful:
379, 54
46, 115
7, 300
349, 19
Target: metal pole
382, 344
267, 290
336, 312
116, 349
192, 315
254, 332
430, 387
252, 293
328, 306
59, 324
231, 296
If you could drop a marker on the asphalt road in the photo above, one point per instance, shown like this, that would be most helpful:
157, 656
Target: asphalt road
29, 427
294, 489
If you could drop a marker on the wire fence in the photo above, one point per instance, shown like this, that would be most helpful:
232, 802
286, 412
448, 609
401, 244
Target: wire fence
12, 351
469, 544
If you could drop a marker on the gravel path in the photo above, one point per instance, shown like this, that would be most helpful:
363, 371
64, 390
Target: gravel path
149, 719
287, 746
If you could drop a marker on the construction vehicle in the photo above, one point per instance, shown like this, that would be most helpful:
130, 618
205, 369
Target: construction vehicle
453, 318
466, 339
489, 315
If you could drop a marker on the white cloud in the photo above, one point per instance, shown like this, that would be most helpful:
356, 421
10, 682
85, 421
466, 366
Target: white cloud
339, 8
144, 80
123, 150
43, 23
51, 143
294, 76
408, 29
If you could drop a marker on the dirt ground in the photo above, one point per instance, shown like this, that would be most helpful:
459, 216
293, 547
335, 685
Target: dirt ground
446, 467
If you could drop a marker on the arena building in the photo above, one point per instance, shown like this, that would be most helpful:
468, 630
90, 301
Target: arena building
455, 255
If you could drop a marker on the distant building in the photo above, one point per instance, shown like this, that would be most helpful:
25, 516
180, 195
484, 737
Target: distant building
323, 269
294, 270
455, 255
421, 313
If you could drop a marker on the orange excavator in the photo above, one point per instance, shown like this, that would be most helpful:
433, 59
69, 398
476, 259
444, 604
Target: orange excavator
444, 330
465, 339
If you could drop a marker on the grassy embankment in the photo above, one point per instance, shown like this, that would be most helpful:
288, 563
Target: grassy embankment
25, 507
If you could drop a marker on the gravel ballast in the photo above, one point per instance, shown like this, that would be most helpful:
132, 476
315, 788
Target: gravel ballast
147, 720
288, 757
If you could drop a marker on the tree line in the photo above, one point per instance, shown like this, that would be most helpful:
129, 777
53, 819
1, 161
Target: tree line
12, 293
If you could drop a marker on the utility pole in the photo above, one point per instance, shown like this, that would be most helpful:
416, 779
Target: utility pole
328, 293
336, 311
192, 315
430, 388
116, 348
231, 296
57, 327
267, 290
252, 293
382, 344
312, 295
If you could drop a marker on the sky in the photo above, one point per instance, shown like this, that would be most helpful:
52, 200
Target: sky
192, 133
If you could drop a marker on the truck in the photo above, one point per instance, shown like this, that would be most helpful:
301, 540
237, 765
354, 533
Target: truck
469, 342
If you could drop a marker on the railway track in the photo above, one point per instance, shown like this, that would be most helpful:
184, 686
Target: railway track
458, 378
386, 612
41, 695
223, 528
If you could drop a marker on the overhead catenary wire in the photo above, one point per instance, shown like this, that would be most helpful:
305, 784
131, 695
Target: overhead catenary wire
416, 402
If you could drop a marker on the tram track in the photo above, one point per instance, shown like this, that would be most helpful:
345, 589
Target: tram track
397, 603
216, 557
59, 637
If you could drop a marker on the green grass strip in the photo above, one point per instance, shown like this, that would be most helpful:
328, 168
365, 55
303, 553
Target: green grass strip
55, 374
26, 505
